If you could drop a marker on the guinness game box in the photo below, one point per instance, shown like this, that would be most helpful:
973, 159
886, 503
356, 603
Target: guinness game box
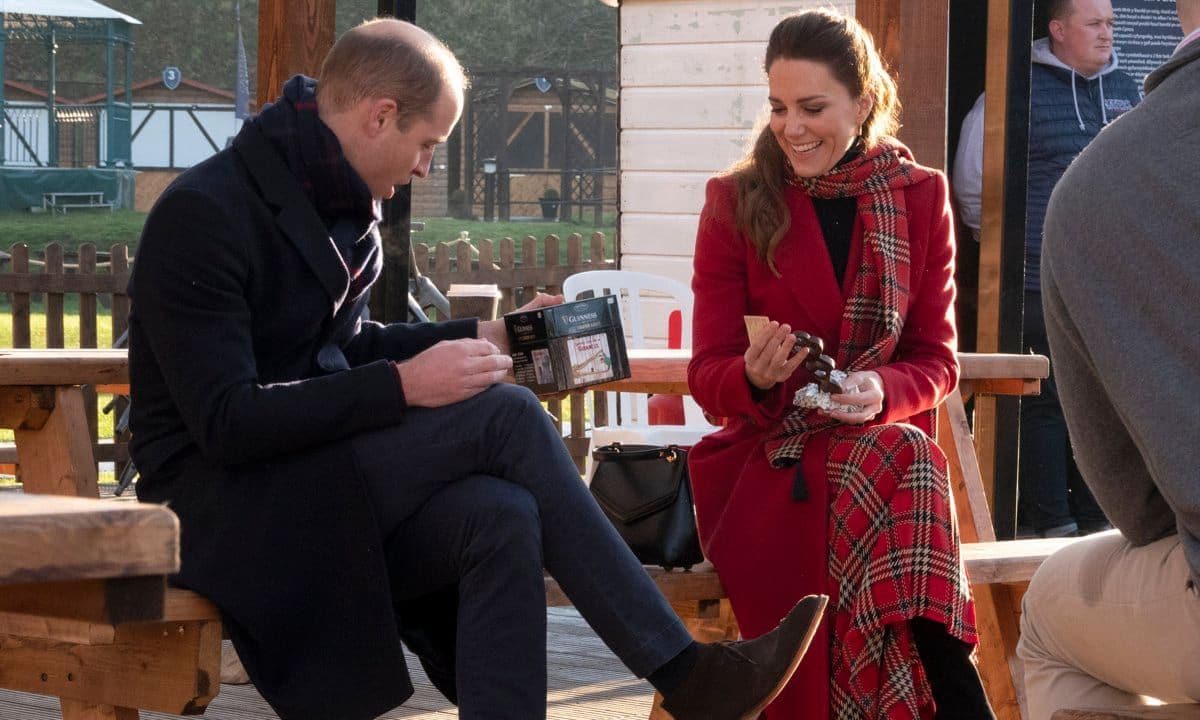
568, 346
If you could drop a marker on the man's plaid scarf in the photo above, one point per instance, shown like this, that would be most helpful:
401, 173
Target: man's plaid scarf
893, 552
337, 192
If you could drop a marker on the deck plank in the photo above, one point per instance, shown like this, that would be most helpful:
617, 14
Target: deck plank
586, 682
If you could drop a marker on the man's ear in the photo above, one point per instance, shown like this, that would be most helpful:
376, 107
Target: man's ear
1056, 30
380, 113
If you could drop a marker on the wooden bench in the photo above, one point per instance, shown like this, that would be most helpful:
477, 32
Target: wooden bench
84, 608
41, 398
1160, 712
91, 640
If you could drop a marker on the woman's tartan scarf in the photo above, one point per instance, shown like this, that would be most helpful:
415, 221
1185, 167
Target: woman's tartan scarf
893, 552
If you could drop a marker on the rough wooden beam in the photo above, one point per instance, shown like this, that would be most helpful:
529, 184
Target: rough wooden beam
293, 37
913, 37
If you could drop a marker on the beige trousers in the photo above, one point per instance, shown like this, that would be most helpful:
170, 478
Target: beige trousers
1106, 624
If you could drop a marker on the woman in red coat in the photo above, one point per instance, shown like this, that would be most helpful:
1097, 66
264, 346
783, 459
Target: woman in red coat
829, 227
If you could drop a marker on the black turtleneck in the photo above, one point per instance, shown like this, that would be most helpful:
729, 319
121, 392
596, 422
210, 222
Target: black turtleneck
836, 217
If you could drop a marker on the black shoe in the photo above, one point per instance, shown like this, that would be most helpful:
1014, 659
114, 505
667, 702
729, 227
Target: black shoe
736, 680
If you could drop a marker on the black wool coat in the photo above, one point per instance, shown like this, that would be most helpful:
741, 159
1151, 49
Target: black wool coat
250, 371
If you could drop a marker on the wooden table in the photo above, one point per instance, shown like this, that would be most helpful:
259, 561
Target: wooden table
42, 402
85, 611
665, 371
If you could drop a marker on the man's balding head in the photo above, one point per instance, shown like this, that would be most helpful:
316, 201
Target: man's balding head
387, 58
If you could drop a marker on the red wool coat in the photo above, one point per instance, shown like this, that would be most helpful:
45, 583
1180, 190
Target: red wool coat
768, 549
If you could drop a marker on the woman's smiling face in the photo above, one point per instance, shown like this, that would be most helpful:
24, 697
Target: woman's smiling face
813, 116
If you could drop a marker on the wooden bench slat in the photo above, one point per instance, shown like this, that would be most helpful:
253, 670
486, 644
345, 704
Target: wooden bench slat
1004, 561
163, 667
1161, 712
46, 538
1009, 561
118, 600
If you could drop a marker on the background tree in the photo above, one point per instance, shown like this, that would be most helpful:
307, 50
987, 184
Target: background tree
199, 38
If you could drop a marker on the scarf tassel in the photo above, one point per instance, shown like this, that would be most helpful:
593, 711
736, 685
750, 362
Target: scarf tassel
799, 485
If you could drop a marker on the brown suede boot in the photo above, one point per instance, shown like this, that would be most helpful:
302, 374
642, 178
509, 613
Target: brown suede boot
736, 680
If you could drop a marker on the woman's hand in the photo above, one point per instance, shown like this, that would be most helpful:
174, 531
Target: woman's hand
769, 359
864, 388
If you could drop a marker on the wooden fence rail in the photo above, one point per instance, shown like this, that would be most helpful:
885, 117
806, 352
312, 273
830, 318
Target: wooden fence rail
99, 280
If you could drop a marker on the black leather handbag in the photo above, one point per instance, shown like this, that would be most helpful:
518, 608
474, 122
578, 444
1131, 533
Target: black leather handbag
645, 491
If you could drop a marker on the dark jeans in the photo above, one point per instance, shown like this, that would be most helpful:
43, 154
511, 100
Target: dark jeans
1053, 494
478, 496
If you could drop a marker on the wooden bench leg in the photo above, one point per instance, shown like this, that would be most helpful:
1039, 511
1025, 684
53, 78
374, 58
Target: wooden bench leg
707, 621
81, 710
996, 617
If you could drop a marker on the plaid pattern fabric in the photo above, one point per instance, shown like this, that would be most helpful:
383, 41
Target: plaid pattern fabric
874, 314
893, 556
893, 550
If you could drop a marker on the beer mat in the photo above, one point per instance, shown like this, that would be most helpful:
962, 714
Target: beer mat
754, 322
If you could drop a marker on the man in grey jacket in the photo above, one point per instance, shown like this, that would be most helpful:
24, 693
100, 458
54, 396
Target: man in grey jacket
1115, 618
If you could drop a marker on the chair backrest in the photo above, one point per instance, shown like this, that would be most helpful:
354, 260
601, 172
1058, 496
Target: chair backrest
632, 288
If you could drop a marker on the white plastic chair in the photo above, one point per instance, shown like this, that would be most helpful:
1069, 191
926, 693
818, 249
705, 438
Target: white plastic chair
631, 420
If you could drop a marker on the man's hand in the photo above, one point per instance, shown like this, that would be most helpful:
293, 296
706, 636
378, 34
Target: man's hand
452, 371
769, 359
493, 330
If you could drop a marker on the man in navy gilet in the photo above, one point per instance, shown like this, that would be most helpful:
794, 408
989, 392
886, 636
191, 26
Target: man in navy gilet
1075, 91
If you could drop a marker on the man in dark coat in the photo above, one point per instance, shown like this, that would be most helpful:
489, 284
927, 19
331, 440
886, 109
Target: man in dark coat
344, 485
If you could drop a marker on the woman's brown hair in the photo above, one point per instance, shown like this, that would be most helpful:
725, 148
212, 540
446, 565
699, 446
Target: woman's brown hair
846, 49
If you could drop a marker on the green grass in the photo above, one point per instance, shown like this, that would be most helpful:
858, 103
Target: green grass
37, 330
448, 229
103, 229
125, 226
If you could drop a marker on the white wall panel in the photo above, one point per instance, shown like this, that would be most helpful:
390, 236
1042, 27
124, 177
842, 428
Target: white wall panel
729, 107
662, 192
673, 66
656, 234
696, 151
674, 22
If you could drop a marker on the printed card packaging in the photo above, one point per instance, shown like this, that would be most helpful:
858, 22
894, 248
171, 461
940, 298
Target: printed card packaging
568, 346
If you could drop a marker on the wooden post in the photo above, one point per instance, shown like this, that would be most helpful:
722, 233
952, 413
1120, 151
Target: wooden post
1002, 242
293, 37
913, 37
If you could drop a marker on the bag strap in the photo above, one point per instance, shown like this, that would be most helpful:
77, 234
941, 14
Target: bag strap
614, 451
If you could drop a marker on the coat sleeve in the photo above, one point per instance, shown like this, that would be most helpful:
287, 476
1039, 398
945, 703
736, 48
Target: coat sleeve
401, 341
716, 373
189, 299
925, 368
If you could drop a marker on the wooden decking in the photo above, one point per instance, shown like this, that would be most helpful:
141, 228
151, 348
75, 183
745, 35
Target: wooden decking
586, 683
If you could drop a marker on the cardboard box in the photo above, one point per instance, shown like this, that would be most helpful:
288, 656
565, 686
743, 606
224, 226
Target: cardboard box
568, 346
